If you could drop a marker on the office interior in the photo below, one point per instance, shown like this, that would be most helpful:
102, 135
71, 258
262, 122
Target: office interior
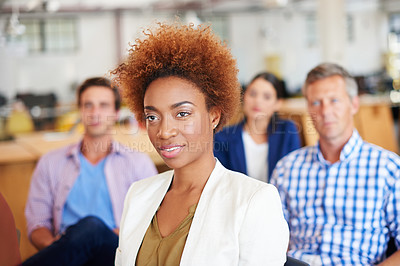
47, 47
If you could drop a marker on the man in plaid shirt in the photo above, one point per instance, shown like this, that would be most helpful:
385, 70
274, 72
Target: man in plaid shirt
341, 197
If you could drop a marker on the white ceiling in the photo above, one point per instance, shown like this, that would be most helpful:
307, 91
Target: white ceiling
213, 5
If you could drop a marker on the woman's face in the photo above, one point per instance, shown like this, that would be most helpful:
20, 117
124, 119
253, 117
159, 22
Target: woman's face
178, 123
260, 100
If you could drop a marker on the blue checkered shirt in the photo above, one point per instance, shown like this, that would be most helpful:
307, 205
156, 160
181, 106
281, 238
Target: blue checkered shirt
345, 212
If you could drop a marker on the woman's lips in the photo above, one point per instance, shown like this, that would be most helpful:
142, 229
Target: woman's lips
170, 151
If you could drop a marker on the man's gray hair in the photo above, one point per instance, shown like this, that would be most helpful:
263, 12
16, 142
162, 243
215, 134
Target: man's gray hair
326, 70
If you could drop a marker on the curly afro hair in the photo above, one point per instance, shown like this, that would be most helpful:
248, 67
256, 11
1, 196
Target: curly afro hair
194, 54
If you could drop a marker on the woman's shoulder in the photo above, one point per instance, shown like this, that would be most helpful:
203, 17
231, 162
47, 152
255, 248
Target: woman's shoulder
149, 184
283, 126
285, 123
244, 185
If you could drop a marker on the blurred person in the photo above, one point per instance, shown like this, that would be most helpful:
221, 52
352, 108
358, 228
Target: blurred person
76, 195
183, 83
340, 197
257, 143
19, 120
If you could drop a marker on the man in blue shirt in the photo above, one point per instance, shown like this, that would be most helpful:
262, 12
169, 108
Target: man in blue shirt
341, 197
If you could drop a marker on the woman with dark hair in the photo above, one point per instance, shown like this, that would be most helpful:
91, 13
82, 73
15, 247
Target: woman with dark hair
261, 139
183, 82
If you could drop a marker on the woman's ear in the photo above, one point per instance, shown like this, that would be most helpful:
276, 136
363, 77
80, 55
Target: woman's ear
215, 116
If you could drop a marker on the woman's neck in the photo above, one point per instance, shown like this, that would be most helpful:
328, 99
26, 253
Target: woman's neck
95, 149
194, 175
257, 129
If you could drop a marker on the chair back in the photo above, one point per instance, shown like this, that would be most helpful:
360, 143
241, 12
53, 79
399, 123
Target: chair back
290, 261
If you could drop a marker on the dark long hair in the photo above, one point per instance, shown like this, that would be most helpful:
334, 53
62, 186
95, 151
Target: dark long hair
278, 84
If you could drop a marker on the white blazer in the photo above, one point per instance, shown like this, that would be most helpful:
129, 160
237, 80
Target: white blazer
238, 221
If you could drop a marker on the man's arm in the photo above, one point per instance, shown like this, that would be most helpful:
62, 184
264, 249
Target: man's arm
392, 210
42, 238
38, 210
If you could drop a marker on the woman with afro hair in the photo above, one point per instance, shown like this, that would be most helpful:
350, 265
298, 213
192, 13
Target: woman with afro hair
181, 81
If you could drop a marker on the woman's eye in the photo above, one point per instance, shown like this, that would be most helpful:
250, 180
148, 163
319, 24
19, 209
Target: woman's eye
151, 117
253, 93
267, 97
183, 114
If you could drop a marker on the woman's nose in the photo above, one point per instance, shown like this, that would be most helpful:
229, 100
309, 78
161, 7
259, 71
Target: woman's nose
167, 129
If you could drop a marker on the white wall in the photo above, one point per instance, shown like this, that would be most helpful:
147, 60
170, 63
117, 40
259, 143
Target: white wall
253, 36
59, 72
365, 53
133, 24
257, 35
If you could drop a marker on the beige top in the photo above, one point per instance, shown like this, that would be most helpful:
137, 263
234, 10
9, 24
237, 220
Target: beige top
156, 250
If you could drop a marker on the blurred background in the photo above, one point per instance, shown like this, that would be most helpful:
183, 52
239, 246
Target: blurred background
47, 47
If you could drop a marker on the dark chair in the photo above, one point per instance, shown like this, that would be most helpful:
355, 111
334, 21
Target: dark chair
290, 261
44, 104
391, 247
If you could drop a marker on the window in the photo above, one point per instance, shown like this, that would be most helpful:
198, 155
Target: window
50, 35
350, 28
311, 30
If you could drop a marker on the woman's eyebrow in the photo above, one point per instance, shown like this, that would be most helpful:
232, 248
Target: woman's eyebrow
151, 108
175, 105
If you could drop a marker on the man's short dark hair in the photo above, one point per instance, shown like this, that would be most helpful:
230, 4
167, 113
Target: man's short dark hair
102, 82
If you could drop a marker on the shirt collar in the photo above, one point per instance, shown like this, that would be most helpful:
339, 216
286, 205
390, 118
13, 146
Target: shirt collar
74, 149
351, 148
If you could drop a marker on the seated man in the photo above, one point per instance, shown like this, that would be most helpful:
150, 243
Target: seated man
340, 197
76, 196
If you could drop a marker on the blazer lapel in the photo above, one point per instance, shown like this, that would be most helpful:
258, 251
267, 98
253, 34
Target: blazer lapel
148, 207
199, 218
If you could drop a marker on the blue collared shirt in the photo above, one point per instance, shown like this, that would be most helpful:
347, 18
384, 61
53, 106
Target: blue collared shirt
343, 212
89, 195
57, 171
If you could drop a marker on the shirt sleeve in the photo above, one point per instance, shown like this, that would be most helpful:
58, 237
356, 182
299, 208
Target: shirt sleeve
145, 167
393, 206
264, 235
38, 210
276, 180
